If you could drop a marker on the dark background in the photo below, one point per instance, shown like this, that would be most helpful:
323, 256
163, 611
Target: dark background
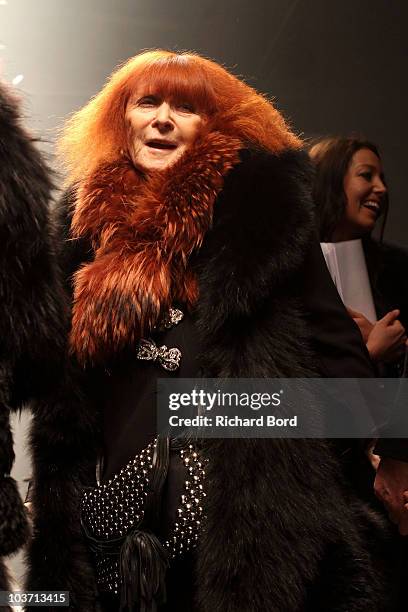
333, 67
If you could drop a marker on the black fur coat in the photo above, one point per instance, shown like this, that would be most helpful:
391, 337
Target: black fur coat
31, 305
280, 534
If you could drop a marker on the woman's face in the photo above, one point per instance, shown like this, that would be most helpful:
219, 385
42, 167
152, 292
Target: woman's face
364, 190
161, 130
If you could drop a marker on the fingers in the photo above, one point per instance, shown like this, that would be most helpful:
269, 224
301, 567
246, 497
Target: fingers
399, 332
390, 316
390, 320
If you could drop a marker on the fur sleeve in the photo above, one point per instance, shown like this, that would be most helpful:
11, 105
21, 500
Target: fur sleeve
263, 221
32, 319
263, 226
31, 301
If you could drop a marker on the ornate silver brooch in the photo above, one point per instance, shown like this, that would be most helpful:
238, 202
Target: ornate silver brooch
169, 359
170, 319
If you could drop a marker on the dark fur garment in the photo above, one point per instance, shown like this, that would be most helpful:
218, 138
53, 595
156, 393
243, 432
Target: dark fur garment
31, 302
280, 533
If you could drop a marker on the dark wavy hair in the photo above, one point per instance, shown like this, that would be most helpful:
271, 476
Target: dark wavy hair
331, 158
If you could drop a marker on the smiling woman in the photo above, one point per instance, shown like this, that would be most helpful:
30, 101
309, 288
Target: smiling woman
351, 198
364, 189
348, 174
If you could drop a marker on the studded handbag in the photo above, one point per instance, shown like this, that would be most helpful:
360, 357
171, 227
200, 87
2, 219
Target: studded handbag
122, 521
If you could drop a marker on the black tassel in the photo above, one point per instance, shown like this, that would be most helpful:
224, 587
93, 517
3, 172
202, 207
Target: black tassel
143, 566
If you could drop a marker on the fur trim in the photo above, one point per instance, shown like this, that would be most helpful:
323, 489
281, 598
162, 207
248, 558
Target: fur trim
144, 233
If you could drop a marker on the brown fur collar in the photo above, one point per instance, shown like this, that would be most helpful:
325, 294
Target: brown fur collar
143, 232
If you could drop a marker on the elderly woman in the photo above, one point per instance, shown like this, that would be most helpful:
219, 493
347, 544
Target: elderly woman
188, 222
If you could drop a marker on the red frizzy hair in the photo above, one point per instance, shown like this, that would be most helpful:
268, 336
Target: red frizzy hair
97, 133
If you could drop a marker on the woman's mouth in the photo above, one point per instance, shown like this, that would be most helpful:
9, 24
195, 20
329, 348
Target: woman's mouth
372, 205
157, 143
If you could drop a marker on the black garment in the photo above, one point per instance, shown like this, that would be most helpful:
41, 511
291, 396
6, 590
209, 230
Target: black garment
336, 338
31, 306
128, 394
180, 580
341, 353
387, 266
393, 448
388, 445
277, 511
129, 385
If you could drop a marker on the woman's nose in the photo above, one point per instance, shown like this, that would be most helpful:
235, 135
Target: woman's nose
379, 187
163, 118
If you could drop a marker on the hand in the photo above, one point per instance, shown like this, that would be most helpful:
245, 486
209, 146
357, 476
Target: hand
387, 339
364, 324
373, 459
405, 499
391, 487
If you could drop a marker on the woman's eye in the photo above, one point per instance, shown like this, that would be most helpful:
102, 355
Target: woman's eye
147, 102
185, 107
367, 175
